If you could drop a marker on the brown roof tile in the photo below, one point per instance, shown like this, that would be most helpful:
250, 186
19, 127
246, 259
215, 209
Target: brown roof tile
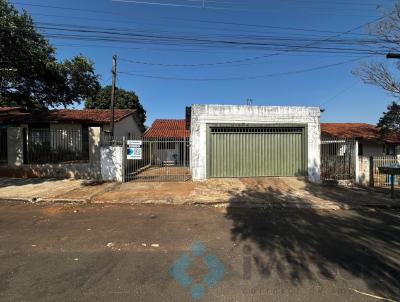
82, 115
168, 128
64, 115
358, 130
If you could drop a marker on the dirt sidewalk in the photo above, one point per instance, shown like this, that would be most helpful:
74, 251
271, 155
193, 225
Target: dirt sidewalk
264, 192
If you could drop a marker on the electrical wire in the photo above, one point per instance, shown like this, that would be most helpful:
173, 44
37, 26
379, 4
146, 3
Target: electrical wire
247, 77
338, 94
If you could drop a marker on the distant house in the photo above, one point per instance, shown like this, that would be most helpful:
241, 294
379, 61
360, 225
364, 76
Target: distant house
171, 138
370, 140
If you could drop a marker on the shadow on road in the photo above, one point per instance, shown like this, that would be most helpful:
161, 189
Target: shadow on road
307, 244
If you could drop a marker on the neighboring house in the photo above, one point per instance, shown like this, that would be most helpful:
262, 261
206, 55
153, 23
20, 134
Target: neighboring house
171, 141
368, 137
59, 135
126, 123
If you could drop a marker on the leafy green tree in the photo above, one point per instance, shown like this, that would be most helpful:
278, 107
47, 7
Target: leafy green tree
390, 119
30, 75
123, 100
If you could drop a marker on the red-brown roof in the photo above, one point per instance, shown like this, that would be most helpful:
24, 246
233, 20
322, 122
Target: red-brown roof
102, 116
358, 130
82, 115
168, 128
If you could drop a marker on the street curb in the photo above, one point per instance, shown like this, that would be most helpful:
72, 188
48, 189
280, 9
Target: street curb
249, 205
62, 200
16, 200
218, 204
36, 200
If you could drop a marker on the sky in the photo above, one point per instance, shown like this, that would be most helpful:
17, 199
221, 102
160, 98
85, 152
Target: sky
171, 73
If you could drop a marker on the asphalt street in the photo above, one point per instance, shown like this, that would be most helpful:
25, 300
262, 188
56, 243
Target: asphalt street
193, 253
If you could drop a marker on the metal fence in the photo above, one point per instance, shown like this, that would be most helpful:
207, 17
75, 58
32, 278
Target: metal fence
383, 180
337, 159
153, 159
49, 146
3, 145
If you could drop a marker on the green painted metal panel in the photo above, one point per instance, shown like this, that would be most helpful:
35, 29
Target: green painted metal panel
243, 152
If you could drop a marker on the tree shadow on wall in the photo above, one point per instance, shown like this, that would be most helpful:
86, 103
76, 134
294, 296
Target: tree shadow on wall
307, 244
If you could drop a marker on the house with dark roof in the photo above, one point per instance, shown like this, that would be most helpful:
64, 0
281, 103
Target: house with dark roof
172, 141
126, 123
370, 140
48, 135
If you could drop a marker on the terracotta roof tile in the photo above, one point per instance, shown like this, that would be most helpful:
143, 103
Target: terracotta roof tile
83, 115
358, 130
65, 115
168, 128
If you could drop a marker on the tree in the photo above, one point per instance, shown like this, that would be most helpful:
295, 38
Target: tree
391, 118
387, 30
30, 75
123, 100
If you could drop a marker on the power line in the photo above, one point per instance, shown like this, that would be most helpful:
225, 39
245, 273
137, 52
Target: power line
123, 32
247, 77
329, 12
85, 33
234, 8
297, 47
338, 94
183, 19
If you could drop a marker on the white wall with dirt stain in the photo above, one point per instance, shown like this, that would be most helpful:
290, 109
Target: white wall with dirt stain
203, 115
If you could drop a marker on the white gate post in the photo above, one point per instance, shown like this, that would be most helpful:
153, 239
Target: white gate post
357, 165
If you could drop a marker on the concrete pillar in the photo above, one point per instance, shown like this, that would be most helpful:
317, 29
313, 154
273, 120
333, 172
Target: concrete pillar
112, 163
94, 152
357, 163
15, 146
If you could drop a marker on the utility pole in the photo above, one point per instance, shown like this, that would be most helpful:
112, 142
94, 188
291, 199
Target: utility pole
114, 76
393, 55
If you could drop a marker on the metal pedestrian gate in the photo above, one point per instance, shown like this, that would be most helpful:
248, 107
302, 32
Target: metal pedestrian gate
156, 159
338, 159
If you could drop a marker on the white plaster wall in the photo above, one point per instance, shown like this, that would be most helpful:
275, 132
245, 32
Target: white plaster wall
124, 127
15, 146
363, 170
203, 115
111, 163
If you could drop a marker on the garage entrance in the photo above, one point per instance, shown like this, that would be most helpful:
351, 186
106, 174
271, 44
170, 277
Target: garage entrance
257, 151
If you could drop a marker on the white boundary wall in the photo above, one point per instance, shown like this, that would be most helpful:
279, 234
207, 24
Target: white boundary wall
203, 115
112, 163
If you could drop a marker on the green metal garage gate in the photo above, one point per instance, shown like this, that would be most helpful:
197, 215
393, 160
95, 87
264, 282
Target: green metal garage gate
256, 151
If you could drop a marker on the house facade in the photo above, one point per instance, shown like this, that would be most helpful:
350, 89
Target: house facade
125, 120
171, 141
30, 142
372, 149
370, 141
